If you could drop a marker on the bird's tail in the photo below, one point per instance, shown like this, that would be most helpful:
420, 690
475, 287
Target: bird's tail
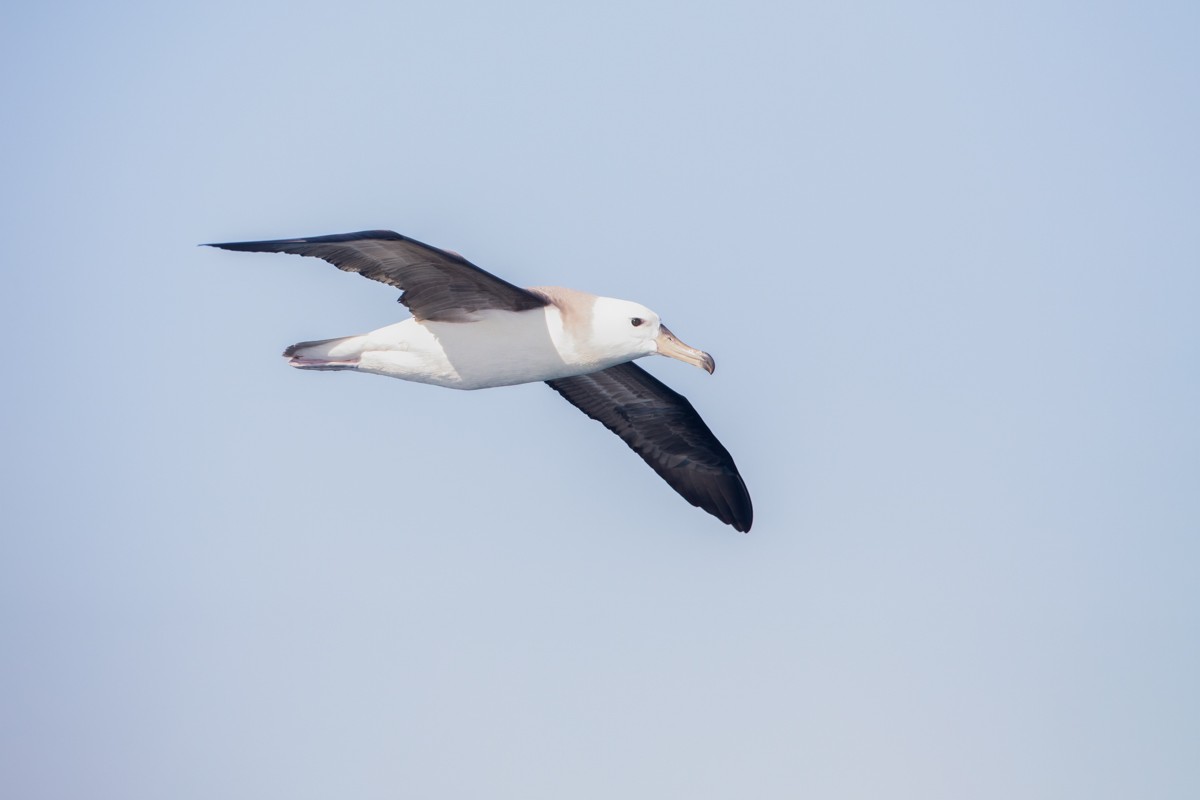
339, 353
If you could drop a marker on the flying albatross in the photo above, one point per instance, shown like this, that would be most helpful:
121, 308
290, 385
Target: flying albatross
472, 330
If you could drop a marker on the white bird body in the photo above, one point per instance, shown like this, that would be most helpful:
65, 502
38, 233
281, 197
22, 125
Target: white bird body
496, 348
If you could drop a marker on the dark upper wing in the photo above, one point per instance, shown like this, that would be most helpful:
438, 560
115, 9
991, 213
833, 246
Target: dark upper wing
436, 284
662, 427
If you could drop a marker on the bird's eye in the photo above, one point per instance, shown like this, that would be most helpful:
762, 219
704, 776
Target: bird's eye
636, 321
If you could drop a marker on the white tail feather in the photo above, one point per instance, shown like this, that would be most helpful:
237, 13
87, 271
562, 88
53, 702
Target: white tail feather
341, 353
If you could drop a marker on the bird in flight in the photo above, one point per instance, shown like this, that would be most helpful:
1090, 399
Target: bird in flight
472, 330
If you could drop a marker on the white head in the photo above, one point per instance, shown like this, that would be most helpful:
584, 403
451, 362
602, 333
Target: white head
622, 329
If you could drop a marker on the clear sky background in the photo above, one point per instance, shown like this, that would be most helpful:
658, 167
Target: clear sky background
947, 257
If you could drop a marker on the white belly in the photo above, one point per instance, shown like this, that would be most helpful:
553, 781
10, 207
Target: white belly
500, 349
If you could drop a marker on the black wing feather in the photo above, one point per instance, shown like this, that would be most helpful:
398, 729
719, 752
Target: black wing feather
662, 427
436, 285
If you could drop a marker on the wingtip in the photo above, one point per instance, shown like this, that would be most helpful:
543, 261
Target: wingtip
741, 510
274, 245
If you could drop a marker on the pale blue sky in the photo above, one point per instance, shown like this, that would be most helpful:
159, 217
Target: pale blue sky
947, 258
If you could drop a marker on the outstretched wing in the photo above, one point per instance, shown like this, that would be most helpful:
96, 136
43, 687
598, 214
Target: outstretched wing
661, 426
436, 285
